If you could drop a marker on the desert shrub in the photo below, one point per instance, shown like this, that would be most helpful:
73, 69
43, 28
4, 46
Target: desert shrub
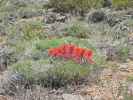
26, 30
52, 72
77, 30
32, 70
51, 75
17, 51
56, 74
3, 5
24, 68
33, 30
78, 5
122, 3
66, 73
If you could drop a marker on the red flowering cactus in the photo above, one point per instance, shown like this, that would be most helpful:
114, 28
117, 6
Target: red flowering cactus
69, 51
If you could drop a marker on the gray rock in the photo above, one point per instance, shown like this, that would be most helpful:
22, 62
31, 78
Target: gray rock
10, 84
96, 16
124, 68
12, 18
52, 17
17, 78
61, 18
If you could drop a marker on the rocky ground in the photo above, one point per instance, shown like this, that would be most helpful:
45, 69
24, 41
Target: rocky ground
110, 83
109, 31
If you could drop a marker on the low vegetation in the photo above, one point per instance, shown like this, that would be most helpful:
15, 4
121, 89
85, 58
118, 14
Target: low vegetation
52, 75
75, 5
99, 34
122, 3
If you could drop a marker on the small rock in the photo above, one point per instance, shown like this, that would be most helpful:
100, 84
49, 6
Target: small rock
52, 17
107, 74
12, 18
61, 18
123, 67
96, 16
126, 67
17, 78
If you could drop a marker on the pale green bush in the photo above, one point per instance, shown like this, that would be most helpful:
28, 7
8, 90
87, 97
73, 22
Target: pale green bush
48, 74
26, 30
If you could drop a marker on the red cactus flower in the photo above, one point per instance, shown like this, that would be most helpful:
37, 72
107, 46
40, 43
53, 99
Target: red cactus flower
68, 48
60, 52
77, 54
88, 54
